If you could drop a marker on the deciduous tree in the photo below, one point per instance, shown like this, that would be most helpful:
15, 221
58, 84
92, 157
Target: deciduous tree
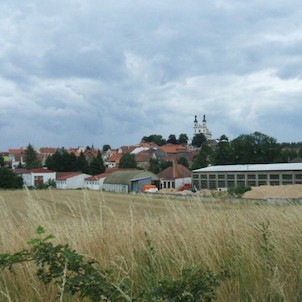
198, 140
128, 161
9, 179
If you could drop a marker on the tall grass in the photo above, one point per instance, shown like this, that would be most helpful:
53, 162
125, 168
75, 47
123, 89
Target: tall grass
259, 244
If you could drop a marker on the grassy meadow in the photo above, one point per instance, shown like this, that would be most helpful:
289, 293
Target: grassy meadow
259, 244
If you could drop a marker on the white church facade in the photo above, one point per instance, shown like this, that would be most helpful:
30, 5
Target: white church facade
202, 128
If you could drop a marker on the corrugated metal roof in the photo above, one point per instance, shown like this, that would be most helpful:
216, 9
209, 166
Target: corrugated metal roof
252, 167
124, 177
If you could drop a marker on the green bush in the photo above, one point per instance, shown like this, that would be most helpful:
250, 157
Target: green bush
72, 275
238, 191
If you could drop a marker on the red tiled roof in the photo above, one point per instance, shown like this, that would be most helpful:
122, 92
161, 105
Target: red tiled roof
115, 158
48, 150
143, 156
66, 175
172, 148
93, 152
39, 170
182, 172
15, 151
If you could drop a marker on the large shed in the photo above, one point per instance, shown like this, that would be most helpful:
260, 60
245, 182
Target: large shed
129, 181
227, 176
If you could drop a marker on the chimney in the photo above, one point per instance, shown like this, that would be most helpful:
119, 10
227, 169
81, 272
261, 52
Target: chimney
174, 167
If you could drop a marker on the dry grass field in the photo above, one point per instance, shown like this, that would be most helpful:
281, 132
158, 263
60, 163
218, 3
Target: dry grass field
259, 244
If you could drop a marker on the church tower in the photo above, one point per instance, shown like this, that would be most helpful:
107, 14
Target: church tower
202, 128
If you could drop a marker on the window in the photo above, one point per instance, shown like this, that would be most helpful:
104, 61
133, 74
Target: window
262, 176
203, 184
274, 176
220, 176
212, 184
274, 183
262, 183
251, 176
240, 176
212, 176
221, 184
231, 176
240, 183
231, 184
287, 176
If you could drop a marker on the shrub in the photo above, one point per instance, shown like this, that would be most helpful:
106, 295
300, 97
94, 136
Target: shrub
238, 191
72, 275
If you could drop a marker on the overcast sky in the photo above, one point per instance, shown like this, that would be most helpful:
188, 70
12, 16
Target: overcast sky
83, 72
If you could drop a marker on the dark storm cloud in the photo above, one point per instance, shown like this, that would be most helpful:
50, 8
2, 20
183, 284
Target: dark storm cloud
83, 72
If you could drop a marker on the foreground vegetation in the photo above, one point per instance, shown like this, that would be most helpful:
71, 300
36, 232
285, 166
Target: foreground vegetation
150, 245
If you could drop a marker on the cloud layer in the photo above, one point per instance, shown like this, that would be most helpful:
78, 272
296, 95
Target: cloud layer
94, 72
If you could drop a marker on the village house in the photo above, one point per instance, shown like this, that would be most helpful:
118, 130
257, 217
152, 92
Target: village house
95, 182
16, 157
36, 177
71, 180
174, 177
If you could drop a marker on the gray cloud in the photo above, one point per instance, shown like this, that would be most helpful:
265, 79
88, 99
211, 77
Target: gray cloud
82, 72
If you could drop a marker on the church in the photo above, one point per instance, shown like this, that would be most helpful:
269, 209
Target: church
202, 128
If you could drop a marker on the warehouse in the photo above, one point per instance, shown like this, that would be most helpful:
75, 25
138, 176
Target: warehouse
227, 176
129, 181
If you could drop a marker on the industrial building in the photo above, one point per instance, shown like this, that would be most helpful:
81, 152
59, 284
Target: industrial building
227, 176
129, 181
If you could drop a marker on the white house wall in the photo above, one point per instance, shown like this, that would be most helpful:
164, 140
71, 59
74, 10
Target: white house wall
76, 181
182, 181
29, 178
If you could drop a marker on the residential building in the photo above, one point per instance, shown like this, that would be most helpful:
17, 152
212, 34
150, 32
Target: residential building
71, 180
174, 177
16, 157
96, 182
36, 177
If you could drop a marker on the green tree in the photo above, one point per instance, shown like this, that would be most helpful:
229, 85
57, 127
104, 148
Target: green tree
157, 165
82, 163
128, 161
154, 165
155, 138
31, 158
69, 162
1, 161
97, 165
255, 148
223, 152
54, 162
164, 164
106, 147
9, 179
182, 139
183, 161
203, 159
198, 140
172, 139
